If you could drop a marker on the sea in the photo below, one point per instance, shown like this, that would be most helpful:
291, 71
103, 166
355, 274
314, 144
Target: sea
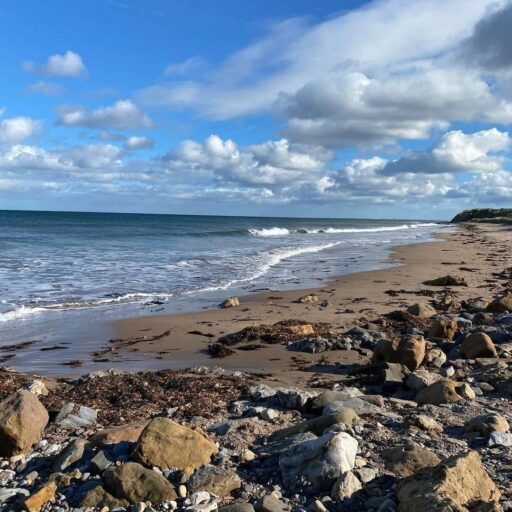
67, 275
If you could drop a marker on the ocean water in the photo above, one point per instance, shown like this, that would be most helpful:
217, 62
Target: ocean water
57, 268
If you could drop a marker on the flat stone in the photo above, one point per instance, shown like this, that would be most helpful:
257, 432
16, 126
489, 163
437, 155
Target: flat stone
270, 503
129, 433
40, 498
73, 452
500, 439
406, 459
216, 480
73, 416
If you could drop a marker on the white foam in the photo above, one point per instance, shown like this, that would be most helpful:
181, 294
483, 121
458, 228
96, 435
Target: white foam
269, 232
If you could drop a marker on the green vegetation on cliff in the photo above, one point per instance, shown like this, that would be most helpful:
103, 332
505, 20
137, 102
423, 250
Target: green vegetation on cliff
495, 215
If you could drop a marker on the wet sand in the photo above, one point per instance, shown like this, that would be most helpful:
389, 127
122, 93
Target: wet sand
181, 340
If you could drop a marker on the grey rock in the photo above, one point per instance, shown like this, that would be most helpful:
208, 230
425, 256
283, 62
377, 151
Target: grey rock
73, 416
500, 439
73, 453
359, 405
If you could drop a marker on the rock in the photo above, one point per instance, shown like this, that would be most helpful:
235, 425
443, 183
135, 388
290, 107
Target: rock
215, 480
444, 329
500, 439
443, 391
292, 398
357, 404
476, 345
166, 444
73, 416
435, 357
317, 425
424, 422
129, 433
42, 496
345, 486
466, 391
101, 461
314, 345
308, 299
406, 459
237, 506
6, 494
500, 304
458, 483
393, 375
365, 475
485, 424
301, 329
409, 351
270, 503
98, 497
421, 379
318, 461
449, 280
23, 419
37, 387
230, 302
269, 414
318, 403
134, 483
73, 452
421, 310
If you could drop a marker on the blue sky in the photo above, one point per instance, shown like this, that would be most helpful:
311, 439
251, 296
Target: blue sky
377, 109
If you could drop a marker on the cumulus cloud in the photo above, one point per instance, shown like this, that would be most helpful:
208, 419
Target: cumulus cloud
270, 163
122, 115
69, 64
17, 129
456, 152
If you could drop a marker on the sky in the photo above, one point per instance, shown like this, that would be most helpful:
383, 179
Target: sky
383, 108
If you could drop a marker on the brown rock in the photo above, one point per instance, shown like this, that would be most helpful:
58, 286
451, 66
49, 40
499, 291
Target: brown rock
445, 329
308, 299
448, 280
501, 304
166, 444
476, 345
99, 497
424, 422
487, 423
22, 422
406, 459
42, 496
409, 351
114, 435
134, 483
457, 484
421, 310
301, 329
230, 302
443, 391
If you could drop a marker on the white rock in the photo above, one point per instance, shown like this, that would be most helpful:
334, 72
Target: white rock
320, 461
500, 439
346, 485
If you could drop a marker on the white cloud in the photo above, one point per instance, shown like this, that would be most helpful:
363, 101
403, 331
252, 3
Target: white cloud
192, 64
68, 64
267, 164
17, 129
123, 114
46, 88
456, 152
134, 143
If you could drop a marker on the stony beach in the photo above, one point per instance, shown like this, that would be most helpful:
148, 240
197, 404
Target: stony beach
384, 391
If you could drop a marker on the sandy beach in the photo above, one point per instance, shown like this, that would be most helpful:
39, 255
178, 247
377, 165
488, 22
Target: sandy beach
180, 341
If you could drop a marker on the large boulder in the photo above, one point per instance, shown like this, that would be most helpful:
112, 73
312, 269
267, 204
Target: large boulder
96, 496
457, 484
485, 424
318, 461
167, 444
23, 419
421, 310
406, 459
501, 304
134, 483
443, 391
443, 328
409, 351
476, 345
